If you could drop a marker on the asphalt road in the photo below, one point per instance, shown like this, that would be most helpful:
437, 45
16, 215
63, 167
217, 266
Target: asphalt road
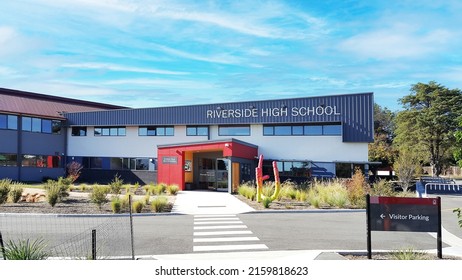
325, 230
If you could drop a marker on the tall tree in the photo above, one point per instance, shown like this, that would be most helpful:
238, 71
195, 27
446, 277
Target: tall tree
427, 125
458, 149
382, 150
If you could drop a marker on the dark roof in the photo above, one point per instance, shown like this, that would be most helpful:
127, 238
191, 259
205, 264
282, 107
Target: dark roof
35, 104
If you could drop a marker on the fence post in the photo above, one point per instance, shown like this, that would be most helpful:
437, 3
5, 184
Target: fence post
2, 246
131, 226
93, 244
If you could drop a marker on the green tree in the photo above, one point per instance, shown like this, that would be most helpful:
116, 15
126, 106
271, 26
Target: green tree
458, 150
426, 127
382, 150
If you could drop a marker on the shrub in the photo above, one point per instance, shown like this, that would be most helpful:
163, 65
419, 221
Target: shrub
116, 184
172, 189
408, 254
158, 189
4, 190
15, 193
125, 201
116, 205
328, 194
288, 190
247, 191
159, 204
301, 195
147, 199
73, 170
382, 188
357, 188
458, 211
268, 189
53, 192
266, 202
25, 250
99, 194
138, 206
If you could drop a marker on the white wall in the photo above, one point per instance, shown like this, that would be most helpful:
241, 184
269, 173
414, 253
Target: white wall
314, 148
130, 145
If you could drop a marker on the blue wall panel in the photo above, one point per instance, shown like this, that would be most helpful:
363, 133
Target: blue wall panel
354, 111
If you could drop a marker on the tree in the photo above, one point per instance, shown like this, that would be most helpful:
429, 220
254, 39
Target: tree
382, 150
458, 150
426, 127
406, 167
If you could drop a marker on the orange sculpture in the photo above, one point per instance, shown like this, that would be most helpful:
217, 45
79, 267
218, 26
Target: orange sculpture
260, 178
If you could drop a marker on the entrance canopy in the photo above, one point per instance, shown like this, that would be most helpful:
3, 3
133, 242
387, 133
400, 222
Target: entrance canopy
178, 163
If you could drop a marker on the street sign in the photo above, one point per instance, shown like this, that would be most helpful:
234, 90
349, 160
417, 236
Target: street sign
403, 214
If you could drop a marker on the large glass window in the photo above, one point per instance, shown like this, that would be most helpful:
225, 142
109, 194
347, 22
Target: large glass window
8, 122
225, 130
110, 131
8, 159
46, 126
79, 131
333, 129
197, 131
41, 161
36, 125
26, 123
306, 129
156, 131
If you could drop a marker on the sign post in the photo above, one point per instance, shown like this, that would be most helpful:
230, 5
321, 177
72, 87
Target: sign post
403, 214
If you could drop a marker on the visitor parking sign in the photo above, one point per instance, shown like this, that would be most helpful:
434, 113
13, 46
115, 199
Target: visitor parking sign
403, 214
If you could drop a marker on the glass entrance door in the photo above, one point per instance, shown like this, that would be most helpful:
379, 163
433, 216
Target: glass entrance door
213, 174
221, 171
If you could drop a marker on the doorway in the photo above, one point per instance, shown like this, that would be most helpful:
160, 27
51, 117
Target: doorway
214, 174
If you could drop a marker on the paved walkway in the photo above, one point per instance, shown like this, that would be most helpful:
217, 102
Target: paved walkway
207, 202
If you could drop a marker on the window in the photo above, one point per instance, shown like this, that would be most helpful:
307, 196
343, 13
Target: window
8, 122
46, 126
8, 159
308, 129
334, 129
110, 131
79, 131
56, 127
156, 131
26, 124
139, 164
36, 125
234, 130
41, 161
313, 130
197, 131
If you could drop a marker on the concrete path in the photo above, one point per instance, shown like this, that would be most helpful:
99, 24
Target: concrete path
207, 202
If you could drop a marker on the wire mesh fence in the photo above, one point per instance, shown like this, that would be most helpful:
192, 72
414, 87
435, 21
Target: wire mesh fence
70, 236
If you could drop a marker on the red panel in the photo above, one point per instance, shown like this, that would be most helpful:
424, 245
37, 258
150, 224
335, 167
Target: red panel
403, 200
174, 173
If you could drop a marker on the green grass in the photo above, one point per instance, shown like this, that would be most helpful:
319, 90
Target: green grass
25, 250
408, 254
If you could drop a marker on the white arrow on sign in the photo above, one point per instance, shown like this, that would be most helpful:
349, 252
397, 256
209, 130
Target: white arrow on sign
382, 216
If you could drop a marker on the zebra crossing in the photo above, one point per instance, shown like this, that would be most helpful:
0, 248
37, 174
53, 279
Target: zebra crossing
223, 232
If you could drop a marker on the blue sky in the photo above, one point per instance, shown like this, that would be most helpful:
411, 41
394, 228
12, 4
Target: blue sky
146, 53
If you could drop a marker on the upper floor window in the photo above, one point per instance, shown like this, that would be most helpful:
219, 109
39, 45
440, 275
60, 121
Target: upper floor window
197, 131
8, 122
79, 131
41, 125
308, 129
156, 131
234, 130
110, 131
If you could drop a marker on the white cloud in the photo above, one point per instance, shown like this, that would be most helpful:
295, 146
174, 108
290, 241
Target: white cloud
396, 42
121, 68
166, 83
